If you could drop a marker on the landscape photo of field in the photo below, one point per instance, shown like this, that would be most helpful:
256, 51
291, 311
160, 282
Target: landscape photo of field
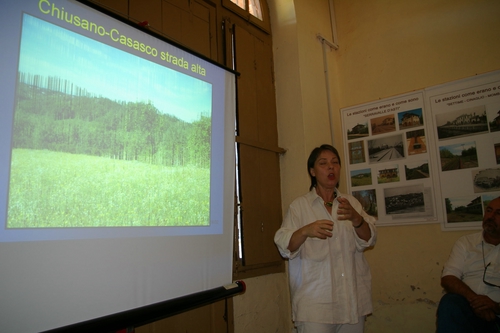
458, 156
105, 146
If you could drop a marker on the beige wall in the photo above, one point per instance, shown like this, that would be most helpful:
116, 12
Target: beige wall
387, 47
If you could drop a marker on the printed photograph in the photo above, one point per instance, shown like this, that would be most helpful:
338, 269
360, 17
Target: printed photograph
368, 200
361, 177
463, 209
462, 123
458, 156
404, 200
415, 142
486, 180
417, 170
357, 131
388, 174
410, 118
495, 120
386, 149
486, 198
356, 152
383, 124
497, 152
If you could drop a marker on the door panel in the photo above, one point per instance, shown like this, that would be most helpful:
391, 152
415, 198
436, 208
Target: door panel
192, 24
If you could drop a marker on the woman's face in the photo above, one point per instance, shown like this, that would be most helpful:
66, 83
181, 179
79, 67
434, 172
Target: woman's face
326, 169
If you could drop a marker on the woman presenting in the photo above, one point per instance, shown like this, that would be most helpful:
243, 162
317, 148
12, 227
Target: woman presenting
324, 234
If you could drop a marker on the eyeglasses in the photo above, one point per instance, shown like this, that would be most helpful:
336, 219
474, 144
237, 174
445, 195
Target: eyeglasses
485, 268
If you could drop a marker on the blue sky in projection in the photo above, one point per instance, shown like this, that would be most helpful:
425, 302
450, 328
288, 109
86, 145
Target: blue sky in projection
51, 51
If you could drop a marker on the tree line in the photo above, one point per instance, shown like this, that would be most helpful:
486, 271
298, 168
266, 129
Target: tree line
471, 152
54, 114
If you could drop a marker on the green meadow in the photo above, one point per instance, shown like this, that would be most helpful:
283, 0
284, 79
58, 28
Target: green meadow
59, 190
362, 179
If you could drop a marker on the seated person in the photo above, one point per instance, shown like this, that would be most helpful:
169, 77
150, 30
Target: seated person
471, 278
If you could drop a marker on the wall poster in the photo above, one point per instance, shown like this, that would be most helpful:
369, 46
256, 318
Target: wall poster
430, 156
388, 159
466, 129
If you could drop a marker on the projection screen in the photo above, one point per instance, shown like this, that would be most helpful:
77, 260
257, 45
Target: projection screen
116, 167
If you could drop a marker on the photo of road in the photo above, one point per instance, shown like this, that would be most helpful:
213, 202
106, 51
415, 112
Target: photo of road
386, 155
386, 149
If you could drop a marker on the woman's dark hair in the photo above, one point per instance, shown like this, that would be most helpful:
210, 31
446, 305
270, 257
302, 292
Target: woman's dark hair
314, 156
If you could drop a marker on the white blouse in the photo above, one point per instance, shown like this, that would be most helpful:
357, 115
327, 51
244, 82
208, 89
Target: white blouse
330, 280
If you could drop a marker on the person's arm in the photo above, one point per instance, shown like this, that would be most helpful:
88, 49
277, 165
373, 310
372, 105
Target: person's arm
483, 306
347, 212
362, 229
454, 285
319, 229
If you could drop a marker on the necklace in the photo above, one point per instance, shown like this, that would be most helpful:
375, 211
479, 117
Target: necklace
330, 203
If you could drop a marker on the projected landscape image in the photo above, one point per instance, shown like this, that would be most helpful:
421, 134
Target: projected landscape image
103, 138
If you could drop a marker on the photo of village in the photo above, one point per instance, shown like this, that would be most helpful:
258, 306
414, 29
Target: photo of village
383, 124
389, 174
463, 209
410, 118
462, 123
407, 199
357, 131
